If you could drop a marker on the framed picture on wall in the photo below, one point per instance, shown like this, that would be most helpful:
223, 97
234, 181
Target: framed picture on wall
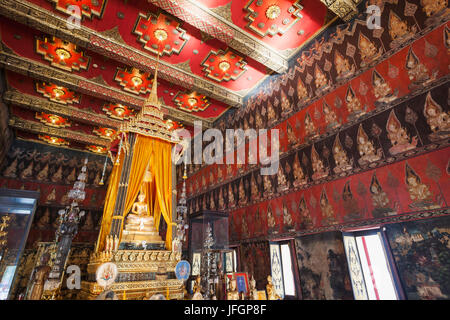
196, 263
241, 282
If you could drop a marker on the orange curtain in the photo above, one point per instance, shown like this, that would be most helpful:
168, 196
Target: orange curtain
162, 166
110, 201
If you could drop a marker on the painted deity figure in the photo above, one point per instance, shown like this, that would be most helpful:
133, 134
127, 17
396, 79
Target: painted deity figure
27, 172
51, 196
254, 189
354, 106
328, 215
321, 81
381, 88
310, 128
305, 214
367, 50
212, 203
283, 184
286, 106
380, 200
292, 139
366, 150
417, 72
438, 120
435, 7
317, 165
340, 157
342, 65
43, 174
398, 136
350, 204
302, 92
288, 224
299, 176
231, 200
267, 186
271, 115
221, 202
271, 223
419, 193
399, 30
259, 121
242, 194
11, 170
330, 116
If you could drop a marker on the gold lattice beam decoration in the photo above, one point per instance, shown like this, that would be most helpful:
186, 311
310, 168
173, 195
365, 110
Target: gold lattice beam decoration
344, 9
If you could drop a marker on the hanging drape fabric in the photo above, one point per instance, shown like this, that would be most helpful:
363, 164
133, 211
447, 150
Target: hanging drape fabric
158, 191
110, 201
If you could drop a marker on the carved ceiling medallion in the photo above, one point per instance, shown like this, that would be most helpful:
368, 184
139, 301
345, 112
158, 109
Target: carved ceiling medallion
105, 133
272, 17
134, 80
160, 34
191, 102
96, 149
53, 140
117, 111
52, 120
62, 54
87, 8
223, 65
57, 93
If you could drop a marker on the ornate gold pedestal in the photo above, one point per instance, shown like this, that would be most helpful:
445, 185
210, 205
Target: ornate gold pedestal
140, 272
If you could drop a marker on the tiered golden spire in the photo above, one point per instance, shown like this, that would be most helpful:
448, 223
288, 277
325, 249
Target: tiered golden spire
150, 120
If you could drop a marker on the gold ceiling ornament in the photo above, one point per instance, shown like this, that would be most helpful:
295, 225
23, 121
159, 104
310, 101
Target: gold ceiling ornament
63, 54
273, 12
224, 65
160, 34
150, 120
344, 9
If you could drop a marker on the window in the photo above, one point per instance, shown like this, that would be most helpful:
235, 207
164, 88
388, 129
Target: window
282, 269
369, 266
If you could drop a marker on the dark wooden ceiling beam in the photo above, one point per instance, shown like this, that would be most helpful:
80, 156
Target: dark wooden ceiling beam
104, 44
216, 26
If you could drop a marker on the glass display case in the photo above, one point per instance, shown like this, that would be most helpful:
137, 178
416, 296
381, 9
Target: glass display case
17, 208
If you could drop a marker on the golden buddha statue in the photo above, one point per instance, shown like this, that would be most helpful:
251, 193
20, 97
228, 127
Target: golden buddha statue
330, 116
305, 214
367, 50
253, 290
286, 107
398, 136
328, 215
242, 194
271, 294
197, 289
232, 293
438, 120
399, 30
140, 225
419, 193
299, 176
417, 72
317, 165
353, 104
283, 184
366, 149
380, 200
340, 157
38, 277
381, 88
302, 92
343, 68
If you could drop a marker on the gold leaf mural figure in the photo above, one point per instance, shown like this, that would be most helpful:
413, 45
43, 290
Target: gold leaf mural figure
419, 193
328, 215
366, 150
330, 116
398, 136
381, 88
380, 200
368, 50
317, 165
437, 119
